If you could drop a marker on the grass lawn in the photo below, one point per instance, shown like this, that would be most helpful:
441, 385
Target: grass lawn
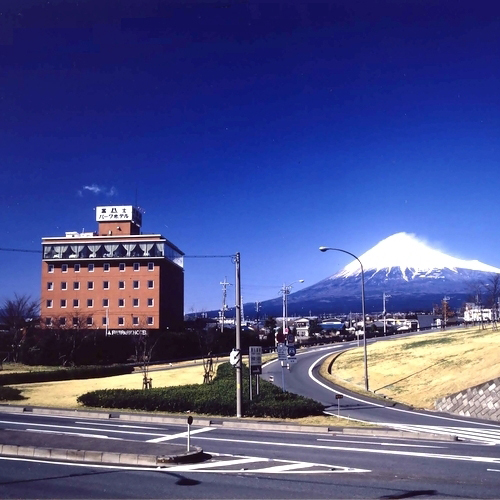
63, 394
421, 369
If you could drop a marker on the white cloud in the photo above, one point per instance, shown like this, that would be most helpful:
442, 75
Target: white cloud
94, 188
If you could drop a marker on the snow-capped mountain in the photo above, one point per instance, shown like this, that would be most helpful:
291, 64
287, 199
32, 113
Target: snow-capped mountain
415, 276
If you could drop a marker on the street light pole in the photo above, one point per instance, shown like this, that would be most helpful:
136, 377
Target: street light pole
285, 290
324, 249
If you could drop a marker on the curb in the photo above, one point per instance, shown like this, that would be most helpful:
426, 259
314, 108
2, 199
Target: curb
233, 424
100, 457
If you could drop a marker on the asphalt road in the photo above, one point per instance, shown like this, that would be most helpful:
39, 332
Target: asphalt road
255, 464
303, 378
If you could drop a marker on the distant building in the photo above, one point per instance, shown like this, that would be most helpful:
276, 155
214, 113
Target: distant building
116, 279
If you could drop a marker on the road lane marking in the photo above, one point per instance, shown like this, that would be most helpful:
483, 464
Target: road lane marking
81, 434
368, 402
489, 437
380, 444
179, 435
124, 426
83, 428
439, 456
208, 468
225, 463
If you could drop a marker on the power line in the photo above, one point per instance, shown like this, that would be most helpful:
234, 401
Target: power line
20, 250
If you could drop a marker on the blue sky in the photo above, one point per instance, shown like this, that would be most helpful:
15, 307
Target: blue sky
268, 129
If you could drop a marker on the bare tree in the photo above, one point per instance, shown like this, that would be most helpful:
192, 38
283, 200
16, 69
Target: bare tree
17, 316
144, 345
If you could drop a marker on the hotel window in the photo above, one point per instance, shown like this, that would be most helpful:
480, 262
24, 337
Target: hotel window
150, 320
48, 321
90, 285
150, 302
104, 321
50, 268
135, 302
90, 268
75, 322
90, 302
76, 267
76, 303
121, 321
105, 285
62, 321
89, 321
64, 285
105, 266
105, 302
63, 302
136, 284
50, 285
121, 302
64, 268
122, 266
76, 285
151, 284
137, 266
135, 320
151, 266
49, 303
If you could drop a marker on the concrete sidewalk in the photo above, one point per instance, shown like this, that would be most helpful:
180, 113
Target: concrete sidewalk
95, 450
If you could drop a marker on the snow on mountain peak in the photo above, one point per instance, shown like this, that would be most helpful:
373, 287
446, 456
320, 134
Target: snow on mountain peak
406, 251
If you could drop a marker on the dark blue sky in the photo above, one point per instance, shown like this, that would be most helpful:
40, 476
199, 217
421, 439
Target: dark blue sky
268, 129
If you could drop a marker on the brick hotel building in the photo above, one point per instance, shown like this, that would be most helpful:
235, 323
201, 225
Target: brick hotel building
116, 279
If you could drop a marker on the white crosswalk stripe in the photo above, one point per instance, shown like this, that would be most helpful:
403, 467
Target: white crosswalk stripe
252, 465
479, 434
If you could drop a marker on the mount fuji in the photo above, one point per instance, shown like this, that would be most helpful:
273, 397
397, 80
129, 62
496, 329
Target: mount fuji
415, 276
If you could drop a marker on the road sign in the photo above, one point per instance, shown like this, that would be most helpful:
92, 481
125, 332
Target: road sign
235, 357
290, 338
282, 352
292, 360
292, 351
338, 396
256, 370
255, 355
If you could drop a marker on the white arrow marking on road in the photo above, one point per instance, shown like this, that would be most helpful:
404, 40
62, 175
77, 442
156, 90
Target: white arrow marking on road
179, 435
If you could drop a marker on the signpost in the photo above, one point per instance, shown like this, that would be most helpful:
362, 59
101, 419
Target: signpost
189, 422
255, 365
283, 357
338, 397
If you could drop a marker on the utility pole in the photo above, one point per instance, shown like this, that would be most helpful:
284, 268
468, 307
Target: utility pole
445, 309
257, 309
224, 306
238, 333
385, 296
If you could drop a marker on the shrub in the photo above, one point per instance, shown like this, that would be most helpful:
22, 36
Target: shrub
81, 372
217, 398
10, 394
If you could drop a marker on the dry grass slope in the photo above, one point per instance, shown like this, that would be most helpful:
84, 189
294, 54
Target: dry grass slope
419, 370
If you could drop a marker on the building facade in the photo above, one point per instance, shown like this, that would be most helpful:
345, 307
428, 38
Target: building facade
116, 279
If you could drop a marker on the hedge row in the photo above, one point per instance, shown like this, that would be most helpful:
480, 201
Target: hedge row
217, 398
81, 372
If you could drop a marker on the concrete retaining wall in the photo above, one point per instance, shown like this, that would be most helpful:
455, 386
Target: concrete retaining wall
481, 401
